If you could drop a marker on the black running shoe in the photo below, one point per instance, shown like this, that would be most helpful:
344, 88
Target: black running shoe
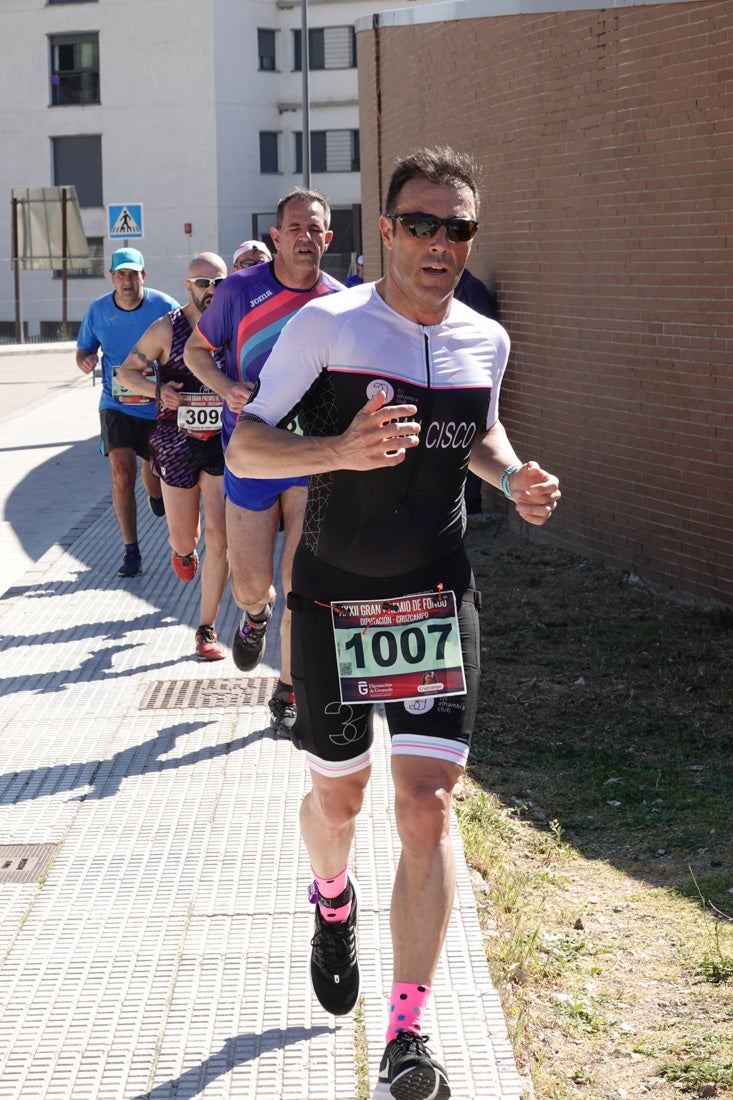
410, 1070
334, 966
282, 712
132, 564
156, 506
248, 643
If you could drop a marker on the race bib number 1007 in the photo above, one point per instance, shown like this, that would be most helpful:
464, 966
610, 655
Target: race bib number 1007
402, 648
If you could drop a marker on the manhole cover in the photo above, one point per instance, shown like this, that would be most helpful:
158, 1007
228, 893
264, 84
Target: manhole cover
24, 862
241, 692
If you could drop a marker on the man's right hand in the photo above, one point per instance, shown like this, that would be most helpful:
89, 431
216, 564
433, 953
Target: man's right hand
379, 435
237, 395
87, 363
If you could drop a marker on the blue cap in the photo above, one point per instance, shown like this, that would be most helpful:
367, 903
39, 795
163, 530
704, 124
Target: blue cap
127, 259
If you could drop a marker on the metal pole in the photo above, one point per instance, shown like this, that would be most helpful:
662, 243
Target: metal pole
16, 275
64, 265
305, 62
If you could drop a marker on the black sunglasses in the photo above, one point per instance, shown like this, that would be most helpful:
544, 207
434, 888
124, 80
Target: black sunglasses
425, 226
204, 284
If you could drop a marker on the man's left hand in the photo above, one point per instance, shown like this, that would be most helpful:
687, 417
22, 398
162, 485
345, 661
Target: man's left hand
536, 493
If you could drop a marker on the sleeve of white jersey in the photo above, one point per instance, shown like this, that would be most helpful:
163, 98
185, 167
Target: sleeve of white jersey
499, 339
295, 362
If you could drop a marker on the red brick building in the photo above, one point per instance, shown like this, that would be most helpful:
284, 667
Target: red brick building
605, 136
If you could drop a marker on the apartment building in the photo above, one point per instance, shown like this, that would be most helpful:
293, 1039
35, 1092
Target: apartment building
186, 113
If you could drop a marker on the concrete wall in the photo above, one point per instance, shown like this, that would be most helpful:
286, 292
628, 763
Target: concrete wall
605, 137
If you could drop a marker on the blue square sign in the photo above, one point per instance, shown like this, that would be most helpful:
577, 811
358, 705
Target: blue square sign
125, 219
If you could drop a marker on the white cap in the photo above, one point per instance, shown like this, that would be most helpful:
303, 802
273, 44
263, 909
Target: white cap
248, 246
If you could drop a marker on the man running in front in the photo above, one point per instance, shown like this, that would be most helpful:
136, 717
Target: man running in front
398, 387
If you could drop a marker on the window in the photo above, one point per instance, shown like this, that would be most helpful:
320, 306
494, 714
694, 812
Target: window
269, 161
331, 151
96, 263
328, 48
266, 50
78, 160
74, 69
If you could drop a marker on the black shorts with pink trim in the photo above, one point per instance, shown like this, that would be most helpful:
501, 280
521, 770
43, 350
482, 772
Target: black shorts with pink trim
179, 459
337, 736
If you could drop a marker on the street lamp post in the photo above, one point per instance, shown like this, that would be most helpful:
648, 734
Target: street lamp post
305, 142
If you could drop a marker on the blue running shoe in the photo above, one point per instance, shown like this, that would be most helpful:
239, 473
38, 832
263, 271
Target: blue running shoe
132, 564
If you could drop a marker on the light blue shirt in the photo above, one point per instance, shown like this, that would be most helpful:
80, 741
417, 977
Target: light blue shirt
115, 331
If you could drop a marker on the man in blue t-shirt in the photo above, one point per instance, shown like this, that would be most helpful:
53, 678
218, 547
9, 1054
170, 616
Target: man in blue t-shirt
113, 323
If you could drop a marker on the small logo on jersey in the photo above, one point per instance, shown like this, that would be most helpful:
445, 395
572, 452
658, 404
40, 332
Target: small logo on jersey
418, 706
262, 298
378, 385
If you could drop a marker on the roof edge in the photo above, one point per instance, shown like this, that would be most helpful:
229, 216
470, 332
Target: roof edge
448, 10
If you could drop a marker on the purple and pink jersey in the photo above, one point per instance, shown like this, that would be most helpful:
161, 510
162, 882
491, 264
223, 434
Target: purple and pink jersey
245, 318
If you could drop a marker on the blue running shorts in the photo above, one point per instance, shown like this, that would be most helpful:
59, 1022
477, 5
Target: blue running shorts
257, 494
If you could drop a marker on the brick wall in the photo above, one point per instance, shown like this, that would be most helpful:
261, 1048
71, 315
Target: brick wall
606, 143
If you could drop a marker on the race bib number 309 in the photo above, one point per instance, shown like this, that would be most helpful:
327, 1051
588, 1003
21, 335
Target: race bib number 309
200, 414
402, 648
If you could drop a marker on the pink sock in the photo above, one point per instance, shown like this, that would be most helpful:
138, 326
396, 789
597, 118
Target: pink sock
331, 888
407, 1005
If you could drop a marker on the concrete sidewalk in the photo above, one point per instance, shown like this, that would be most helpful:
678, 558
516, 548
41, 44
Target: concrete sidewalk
155, 942
52, 470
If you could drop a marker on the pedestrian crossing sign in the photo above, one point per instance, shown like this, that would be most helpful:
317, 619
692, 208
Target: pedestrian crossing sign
125, 220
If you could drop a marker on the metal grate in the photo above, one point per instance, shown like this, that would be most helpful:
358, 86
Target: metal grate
24, 862
180, 694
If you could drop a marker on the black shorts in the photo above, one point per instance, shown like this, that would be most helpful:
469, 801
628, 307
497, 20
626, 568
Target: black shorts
119, 429
178, 458
338, 736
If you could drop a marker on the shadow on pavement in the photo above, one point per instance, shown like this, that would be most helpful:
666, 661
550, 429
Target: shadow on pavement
58, 493
105, 776
235, 1052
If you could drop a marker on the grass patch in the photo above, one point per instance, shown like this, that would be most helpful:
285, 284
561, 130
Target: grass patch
703, 1065
596, 816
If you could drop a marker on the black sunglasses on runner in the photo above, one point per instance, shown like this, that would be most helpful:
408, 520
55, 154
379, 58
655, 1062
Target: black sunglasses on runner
425, 226
204, 284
